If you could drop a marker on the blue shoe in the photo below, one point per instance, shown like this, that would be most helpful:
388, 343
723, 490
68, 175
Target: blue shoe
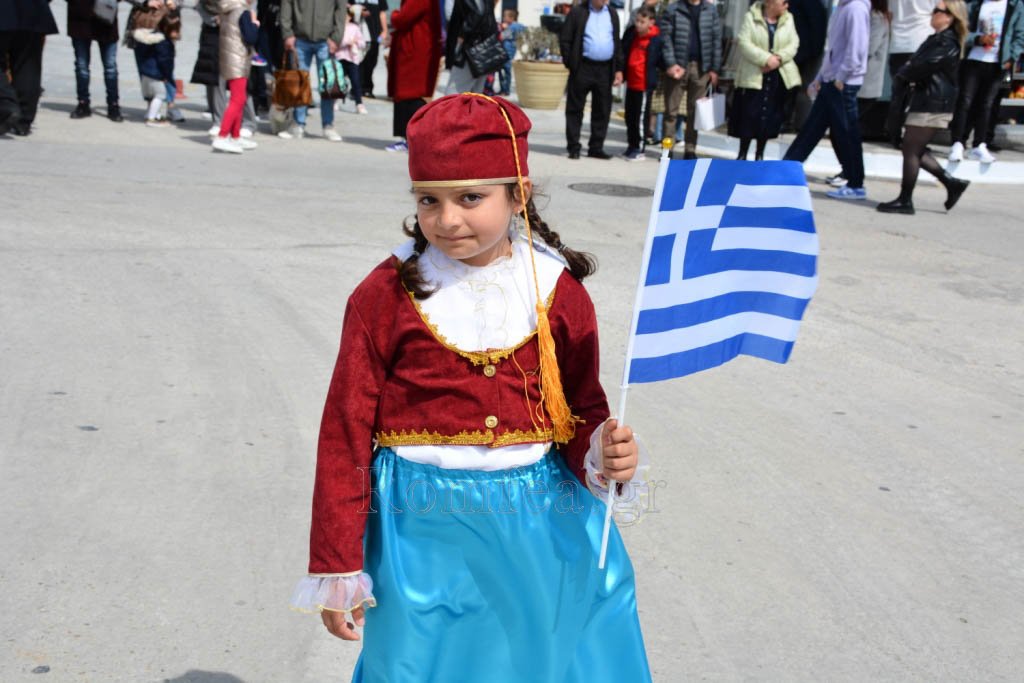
399, 146
847, 192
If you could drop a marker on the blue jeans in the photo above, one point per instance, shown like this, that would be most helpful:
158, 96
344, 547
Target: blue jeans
305, 50
834, 110
108, 53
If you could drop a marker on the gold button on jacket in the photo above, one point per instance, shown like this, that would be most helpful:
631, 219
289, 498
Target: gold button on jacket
491, 422
490, 370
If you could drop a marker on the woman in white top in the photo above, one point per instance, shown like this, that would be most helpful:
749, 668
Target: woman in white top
995, 42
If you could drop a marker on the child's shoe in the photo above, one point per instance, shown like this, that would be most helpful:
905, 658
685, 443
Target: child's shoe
634, 155
399, 146
258, 59
158, 123
225, 144
174, 114
361, 109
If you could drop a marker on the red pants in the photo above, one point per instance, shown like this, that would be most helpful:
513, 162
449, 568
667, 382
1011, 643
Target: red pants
231, 121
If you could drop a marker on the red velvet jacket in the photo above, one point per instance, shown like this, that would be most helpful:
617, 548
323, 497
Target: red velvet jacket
398, 382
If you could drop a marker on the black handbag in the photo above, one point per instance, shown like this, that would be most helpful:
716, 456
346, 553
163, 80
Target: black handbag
105, 10
486, 56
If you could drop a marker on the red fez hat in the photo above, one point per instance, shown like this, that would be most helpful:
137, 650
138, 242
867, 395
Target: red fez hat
467, 140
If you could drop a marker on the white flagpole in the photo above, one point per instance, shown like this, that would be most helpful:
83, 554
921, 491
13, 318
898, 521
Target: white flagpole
652, 224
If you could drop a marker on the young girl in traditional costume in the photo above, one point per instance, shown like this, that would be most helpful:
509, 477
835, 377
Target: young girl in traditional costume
466, 542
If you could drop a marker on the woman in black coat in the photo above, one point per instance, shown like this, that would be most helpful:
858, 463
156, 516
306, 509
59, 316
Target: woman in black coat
471, 22
929, 80
84, 27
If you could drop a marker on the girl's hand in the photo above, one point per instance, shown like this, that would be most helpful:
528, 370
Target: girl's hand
337, 622
619, 452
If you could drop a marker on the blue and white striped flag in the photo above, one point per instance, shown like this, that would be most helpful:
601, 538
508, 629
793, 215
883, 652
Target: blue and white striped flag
730, 265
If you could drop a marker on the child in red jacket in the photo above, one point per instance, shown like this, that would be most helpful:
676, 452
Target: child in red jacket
642, 47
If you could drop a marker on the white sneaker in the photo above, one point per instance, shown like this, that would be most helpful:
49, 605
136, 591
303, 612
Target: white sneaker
229, 145
247, 144
361, 109
981, 153
245, 133
296, 132
956, 152
331, 134
175, 115
214, 130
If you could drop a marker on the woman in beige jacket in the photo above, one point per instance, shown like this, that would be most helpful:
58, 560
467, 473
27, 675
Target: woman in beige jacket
238, 26
767, 43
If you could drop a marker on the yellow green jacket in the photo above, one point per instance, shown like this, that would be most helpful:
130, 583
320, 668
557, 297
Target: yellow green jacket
752, 43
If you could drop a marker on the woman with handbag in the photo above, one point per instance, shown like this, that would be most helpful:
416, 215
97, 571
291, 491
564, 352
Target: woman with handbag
413, 61
932, 74
472, 50
766, 73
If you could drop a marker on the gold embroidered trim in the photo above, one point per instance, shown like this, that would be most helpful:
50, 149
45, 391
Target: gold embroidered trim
434, 438
489, 357
464, 438
518, 436
463, 183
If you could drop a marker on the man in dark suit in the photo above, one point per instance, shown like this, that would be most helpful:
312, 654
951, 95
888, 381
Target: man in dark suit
592, 52
23, 26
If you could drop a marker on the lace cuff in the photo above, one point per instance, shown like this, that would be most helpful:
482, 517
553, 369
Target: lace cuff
334, 592
631, 496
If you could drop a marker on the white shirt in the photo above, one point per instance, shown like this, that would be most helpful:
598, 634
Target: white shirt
911, 25
990, 21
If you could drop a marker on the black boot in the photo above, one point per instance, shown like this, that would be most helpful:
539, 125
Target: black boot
114, 112
81, 111
903, 204
954, 188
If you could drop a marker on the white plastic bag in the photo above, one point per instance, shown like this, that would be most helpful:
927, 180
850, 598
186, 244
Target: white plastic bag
710, 111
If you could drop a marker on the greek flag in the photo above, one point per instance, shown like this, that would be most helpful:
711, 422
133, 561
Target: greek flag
730, 264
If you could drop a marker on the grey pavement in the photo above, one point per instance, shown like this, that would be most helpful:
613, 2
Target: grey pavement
169, 319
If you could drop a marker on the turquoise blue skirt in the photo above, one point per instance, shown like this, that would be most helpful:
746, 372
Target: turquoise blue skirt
492, 576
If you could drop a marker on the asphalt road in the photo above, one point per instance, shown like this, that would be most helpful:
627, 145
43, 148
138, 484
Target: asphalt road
168, 324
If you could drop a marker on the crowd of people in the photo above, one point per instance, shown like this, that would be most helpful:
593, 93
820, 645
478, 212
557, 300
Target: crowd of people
793, 67
674, 53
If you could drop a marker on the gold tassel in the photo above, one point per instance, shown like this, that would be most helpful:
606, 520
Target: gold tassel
562, 420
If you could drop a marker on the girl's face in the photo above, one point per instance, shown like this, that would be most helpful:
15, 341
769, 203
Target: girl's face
469, 224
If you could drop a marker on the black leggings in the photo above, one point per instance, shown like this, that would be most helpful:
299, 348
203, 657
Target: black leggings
916, 156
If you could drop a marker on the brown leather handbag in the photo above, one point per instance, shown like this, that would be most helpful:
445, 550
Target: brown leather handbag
291, 85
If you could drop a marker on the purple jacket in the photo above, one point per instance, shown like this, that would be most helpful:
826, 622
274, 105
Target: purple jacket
846, 57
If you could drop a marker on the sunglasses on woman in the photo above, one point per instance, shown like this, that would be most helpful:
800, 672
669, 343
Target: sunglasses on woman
941, 10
